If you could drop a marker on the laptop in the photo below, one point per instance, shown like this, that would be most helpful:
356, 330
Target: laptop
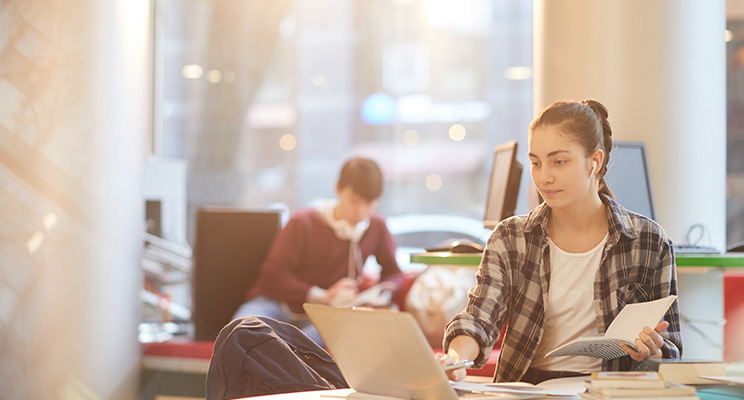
382, 352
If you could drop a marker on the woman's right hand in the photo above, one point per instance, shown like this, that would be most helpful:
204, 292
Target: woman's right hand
461, 348
457, 374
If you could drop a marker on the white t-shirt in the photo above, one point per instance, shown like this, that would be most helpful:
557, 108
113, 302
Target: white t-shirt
570, 313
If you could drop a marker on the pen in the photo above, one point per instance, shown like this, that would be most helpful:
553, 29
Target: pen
459, 364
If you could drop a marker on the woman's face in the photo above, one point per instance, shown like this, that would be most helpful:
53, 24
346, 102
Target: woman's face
561, 172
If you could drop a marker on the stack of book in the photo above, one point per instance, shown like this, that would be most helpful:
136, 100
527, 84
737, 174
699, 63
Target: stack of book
686, 372
636, 386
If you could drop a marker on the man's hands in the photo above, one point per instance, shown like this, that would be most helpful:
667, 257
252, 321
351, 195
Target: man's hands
649, 343
343, 291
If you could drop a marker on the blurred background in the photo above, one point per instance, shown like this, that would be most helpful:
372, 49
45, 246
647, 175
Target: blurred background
264, 100
119, 119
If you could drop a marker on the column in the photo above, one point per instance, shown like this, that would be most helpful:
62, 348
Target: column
659, 67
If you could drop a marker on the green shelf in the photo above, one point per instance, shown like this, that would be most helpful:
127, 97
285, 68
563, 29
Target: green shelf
447, 258
728, 260
710, 260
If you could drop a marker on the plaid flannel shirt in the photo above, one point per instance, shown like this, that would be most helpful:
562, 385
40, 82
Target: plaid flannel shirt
513, 280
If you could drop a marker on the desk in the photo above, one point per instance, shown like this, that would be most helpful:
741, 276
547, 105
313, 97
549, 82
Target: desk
712, 393
700, 282
726, 260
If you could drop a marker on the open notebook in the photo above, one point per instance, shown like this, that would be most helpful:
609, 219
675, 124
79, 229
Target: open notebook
624, 329
385, 353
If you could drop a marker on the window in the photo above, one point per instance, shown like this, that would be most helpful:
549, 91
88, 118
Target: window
264, 100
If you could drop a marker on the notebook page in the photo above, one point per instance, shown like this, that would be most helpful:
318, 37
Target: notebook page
633, 317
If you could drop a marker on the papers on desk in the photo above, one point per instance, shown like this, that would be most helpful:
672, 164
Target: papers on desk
566, 388
561, 388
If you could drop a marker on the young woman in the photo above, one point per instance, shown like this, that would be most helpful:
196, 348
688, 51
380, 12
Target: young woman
566, 269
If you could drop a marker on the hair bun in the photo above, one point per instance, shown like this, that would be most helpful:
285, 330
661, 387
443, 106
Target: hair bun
597, 107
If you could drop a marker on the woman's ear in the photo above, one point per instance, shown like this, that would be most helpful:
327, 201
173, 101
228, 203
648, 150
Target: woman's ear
597, 160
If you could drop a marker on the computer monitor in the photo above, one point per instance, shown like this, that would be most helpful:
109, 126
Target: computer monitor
629, 178
503, 187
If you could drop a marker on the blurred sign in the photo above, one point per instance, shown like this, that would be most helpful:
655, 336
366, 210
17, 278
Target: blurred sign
420, 108
271, 116
378, 108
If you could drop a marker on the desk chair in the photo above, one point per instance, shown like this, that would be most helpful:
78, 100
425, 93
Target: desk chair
231, 244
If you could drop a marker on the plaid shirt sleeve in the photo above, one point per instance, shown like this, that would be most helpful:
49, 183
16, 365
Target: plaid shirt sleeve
509, 286
485, 309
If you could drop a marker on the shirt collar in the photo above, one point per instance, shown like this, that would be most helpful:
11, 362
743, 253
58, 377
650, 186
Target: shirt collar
620, 222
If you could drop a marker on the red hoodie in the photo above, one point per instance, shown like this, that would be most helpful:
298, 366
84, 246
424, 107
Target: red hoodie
306, 253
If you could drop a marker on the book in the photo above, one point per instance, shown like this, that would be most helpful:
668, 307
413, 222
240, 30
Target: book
571, 387
626, 380
378, 296
623, 329
688, 372
670, 389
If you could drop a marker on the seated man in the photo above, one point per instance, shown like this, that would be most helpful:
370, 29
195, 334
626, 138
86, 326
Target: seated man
318, 256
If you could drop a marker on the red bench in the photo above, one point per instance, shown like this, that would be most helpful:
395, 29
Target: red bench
194, 355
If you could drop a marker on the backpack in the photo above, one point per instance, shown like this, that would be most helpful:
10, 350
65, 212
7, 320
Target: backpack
256, 356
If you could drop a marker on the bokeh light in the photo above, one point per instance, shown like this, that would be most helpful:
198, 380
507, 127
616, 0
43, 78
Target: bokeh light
433, 182
378, 108
288, 142
214, 76
192, 71
410, 137
457, 132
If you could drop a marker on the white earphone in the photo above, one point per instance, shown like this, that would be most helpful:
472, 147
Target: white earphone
594, 166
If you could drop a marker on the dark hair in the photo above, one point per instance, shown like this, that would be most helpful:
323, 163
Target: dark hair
587, 123
364, 177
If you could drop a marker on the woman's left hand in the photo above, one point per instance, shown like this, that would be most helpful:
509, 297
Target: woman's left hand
649, 343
